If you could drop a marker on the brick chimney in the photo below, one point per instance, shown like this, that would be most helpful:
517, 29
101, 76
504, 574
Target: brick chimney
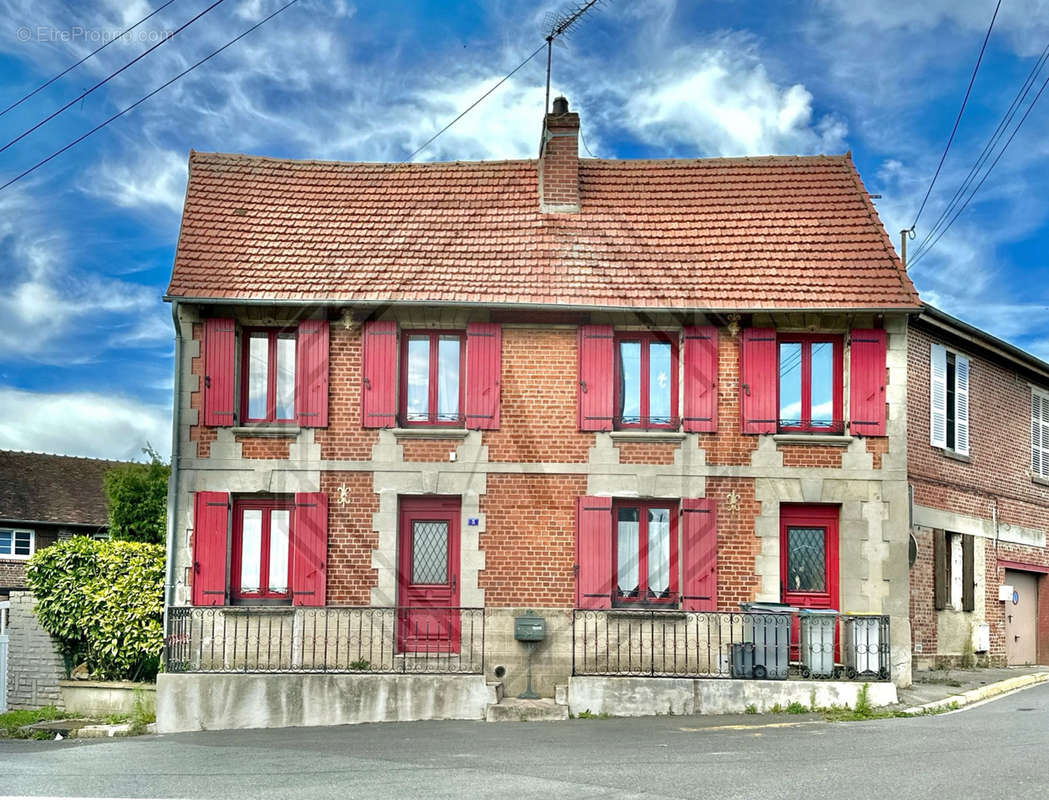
559, 161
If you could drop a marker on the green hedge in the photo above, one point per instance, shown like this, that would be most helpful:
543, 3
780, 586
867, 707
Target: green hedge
103, 601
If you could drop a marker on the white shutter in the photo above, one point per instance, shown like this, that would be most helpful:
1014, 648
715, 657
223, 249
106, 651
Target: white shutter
938, 396
961, 405
1040, 434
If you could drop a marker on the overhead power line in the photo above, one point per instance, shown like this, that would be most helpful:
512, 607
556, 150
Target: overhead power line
986, 173
957, 119
112, 75
138, 102
985, 154
94, 52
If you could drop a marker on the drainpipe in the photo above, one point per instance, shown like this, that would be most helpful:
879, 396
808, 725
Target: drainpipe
176, 421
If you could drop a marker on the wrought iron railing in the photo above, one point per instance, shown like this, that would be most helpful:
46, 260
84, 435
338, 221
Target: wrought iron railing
275, 639
658, 643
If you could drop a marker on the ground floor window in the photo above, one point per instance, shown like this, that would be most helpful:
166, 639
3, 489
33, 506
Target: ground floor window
261, 549
645, 552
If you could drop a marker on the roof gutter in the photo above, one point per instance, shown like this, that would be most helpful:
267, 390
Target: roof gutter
344, 303
176, 422
943, 321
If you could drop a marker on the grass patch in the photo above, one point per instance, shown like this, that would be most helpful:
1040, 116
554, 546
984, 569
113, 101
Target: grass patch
796, 708
751, 709
588, 714
11, 722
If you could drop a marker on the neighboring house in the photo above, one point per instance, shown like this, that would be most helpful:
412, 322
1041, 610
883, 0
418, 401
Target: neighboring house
44, 498
573, 386
978, 465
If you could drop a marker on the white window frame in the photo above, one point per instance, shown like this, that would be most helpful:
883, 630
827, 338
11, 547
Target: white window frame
1040, 433
938, 399
32, 543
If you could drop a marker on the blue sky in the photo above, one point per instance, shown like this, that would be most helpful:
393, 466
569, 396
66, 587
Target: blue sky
86, 242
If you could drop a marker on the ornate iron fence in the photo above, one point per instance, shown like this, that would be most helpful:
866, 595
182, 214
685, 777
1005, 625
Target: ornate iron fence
659, 643
276, 639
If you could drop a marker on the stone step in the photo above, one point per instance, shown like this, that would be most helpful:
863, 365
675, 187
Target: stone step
512, 709
495, 692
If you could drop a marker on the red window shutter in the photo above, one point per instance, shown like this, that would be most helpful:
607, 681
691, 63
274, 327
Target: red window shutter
699, 540
595, 377
484, 343
311, 374
867, 382
759, 381
210, 523
701, 379
593, 544
379, 375
219, 348
309, 549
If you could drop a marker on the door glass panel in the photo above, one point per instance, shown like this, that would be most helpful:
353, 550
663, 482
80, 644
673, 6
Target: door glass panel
429, 552
285, 377
258, 364
822, 384
251, 550
806, 561
418, 391
279, 525
448, 379
659, 552
790, 383
630, 382
627, 550
659, 383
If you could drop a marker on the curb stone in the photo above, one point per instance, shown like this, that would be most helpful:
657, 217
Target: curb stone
982, 693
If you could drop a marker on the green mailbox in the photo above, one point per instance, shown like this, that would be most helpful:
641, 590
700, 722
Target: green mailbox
529, 628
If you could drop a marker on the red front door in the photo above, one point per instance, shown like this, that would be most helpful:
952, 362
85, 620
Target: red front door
808, 559
428, 575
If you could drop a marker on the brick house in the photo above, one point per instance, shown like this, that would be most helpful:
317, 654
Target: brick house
579, 387
44, 498
978, 466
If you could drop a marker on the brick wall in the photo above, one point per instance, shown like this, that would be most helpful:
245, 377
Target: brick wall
538, 420
737, 544
728, 446
647, 453
12, 574
34, 664
262, 447
350, 537
200, 433
344, 438
529, 539
807, 455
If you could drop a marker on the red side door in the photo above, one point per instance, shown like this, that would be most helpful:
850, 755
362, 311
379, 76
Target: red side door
808, 559
428, 575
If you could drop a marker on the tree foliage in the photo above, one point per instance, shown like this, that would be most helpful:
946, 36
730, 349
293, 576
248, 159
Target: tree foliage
103, 601
137, 500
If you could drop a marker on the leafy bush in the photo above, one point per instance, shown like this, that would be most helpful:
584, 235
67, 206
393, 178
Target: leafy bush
137, 500
103, 601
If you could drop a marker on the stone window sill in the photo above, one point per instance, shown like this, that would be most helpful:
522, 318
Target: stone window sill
827, 439
658, 613
1040, 480
954, 456
276, 607
430, 433
271, 431
647, 436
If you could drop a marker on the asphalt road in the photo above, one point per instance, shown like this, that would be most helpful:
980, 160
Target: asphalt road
997, 750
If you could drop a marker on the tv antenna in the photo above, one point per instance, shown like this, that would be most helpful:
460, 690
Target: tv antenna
557, 26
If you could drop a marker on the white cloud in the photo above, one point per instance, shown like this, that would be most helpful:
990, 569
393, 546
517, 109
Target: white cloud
82, 424
140, 177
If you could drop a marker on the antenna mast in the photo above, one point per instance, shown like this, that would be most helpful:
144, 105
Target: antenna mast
558, 25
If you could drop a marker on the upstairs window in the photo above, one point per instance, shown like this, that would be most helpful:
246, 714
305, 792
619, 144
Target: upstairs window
1040, 433
646, 381
645, 552
261, 549
268, 376
16, 543
949, 400
431, 385
810, 383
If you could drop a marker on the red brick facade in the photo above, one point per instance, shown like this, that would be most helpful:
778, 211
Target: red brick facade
992, 484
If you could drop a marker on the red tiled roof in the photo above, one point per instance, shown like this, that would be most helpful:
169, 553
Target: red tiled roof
750, 233
40, 487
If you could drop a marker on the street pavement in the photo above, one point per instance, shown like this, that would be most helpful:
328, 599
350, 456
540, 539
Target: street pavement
992, 750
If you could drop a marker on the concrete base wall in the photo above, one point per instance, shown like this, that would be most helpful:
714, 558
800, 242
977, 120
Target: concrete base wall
635, 697
102, 698
34, 663
195, 702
